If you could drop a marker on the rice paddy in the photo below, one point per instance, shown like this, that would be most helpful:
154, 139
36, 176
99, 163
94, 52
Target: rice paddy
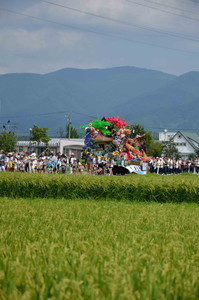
175, 188
88, 249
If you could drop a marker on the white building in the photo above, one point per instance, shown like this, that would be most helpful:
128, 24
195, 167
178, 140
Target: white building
186, 142
65, 146
166, 136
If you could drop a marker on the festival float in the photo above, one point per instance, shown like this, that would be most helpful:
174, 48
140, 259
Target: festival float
110, 138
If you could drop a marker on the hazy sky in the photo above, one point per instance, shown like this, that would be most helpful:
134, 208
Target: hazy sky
154, 34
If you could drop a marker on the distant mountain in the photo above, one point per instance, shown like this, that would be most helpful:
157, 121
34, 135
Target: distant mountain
175, 105
153, 98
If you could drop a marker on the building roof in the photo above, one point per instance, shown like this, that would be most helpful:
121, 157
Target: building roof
57, 140
54, 142
190, 137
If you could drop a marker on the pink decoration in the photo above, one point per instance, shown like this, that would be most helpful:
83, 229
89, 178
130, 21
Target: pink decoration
119, 123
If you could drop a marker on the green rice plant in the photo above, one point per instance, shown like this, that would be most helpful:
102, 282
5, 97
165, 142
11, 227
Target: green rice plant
86, 249
140, 188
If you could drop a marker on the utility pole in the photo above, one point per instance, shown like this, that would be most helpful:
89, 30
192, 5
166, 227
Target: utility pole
30, 130
69, 125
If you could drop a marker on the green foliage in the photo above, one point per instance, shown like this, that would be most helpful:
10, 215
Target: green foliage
83, 155
83, 250
137, 129
39, 134
192, 156
8, 141
155, 149
71, 132
148, 139
133, 187
169, 149
152, 148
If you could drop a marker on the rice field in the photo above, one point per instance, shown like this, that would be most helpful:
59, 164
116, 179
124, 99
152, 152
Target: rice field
88, 249
175, 188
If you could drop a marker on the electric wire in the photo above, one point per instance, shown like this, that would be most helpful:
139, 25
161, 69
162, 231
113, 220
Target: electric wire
162, 10
173, 34
172, 7
98, 32
95, 117
9, 116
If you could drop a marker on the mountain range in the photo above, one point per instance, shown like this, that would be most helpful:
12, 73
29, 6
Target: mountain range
155, 99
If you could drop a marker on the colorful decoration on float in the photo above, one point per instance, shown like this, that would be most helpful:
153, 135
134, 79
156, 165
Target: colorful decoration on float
114, 134
98, 126
117, 122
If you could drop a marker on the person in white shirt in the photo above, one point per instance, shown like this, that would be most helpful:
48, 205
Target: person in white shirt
72, 161
2, 161
197, 165
160, 164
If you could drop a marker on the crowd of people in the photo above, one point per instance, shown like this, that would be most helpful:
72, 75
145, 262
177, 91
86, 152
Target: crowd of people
32, 163
60, 163
167, 166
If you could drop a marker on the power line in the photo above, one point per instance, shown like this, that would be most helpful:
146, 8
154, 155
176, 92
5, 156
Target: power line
162, 10
82, 114
15, 125
32, 115
98, 32
149, 128
173, 7
45, 114
173, 34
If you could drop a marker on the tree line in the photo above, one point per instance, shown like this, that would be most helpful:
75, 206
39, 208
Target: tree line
38, 134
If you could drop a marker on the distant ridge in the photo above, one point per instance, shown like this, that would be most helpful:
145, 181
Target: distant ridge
153, 98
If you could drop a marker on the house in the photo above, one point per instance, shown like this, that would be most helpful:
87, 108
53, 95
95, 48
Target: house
186, 142
65, 146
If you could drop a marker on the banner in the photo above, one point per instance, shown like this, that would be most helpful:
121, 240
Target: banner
135, 169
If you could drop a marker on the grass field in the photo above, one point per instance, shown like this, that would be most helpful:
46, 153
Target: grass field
86, 249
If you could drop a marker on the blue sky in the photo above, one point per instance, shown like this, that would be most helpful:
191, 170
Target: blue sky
151, 34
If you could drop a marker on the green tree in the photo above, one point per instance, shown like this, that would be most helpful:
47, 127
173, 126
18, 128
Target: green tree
148, 139
154, 149
71, 132
137, 129
39, 134
8, 141
169, 149
192, 156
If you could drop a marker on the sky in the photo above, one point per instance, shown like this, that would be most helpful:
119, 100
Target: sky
41, 36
